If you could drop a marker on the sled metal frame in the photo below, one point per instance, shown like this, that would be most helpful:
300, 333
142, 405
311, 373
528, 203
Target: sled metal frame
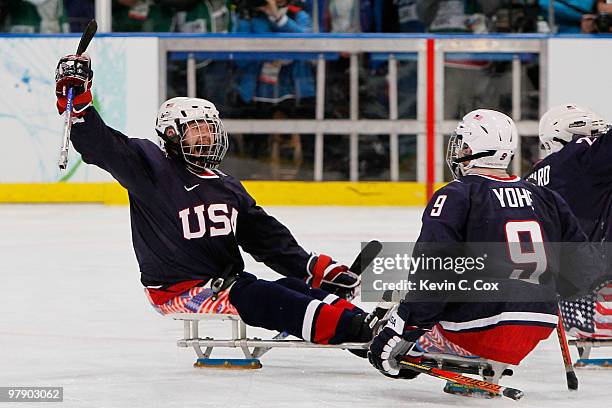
252, 348
585, 346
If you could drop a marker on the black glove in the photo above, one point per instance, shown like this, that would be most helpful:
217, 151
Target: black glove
74, 71
332, 277
393, 342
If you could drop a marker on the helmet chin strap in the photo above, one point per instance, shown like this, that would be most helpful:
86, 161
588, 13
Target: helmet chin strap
474, 156
485, 171
563, 142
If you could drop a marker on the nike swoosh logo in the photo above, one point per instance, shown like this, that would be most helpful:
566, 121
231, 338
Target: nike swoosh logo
191, 188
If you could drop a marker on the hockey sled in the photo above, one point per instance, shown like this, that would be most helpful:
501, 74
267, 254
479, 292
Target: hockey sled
252, 348
585, 346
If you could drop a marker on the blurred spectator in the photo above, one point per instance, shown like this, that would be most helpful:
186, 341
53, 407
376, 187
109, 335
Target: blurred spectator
512, 16
448, 16
400, 16
200, 16
280, 88
604, 7
478, 16
341, 16
4, 6
141, 16
587, 24
568, 13
35, 16
346, 16
600, 22
277, 80
79, 13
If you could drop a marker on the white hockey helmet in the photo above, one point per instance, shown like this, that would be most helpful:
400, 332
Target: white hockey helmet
190, 130
483, 138
560, 124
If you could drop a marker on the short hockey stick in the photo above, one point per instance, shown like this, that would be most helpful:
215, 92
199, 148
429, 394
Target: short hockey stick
366, 256
457, 378
86, 38
570, 375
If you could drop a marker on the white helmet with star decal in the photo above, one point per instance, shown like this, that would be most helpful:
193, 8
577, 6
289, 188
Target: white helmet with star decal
484, 138
560, 124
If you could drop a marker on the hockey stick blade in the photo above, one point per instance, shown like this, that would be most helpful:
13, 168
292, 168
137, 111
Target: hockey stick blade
570, 375
572, 380
366, 256
87, 36
496, 389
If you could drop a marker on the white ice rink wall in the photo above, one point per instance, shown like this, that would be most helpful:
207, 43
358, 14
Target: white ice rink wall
125, 92
579, 71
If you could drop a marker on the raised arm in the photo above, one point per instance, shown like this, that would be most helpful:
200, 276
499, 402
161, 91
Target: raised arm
124, 158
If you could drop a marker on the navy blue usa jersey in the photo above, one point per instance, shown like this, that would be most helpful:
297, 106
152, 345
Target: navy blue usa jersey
581, 172
186, 226
487, 209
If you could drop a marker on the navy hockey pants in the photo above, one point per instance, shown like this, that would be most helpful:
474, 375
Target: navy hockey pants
290, 305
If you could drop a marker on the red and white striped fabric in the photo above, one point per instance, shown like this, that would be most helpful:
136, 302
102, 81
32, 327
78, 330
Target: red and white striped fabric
196, 300
507, 337
590, 317
435, 342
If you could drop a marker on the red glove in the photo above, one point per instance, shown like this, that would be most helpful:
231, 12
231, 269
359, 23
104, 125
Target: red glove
332, 277
74, 71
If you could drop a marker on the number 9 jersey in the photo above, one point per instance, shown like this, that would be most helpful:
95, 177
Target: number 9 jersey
518, 219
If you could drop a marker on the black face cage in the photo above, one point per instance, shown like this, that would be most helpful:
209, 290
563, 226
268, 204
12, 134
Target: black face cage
455, 144
203, 143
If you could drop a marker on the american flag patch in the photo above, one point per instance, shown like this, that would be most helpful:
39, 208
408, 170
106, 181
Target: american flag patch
590, 316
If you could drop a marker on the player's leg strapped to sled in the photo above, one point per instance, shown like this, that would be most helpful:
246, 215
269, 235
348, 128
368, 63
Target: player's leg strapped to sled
287, 305
202, 304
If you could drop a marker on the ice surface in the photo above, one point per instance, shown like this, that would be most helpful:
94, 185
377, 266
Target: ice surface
73, 314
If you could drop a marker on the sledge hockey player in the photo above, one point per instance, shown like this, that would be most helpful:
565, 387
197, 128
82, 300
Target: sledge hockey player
486, 205
189, 219
578, 166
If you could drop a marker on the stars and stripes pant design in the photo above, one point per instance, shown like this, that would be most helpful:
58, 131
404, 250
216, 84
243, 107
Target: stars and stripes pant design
287, 304
196, 300
435, 342
589, 316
